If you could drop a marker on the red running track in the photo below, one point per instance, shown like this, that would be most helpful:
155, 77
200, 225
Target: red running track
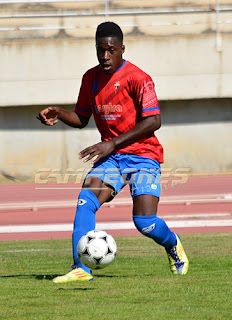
195, 186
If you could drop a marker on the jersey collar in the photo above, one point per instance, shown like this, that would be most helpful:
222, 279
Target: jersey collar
121, 66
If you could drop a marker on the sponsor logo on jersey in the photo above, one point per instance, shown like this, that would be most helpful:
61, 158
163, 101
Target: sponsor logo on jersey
109, 108
147, 86
148, 229
148, 97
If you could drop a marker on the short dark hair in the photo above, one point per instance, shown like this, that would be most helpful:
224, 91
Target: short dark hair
109, 29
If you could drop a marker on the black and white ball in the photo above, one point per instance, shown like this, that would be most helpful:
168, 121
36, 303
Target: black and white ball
96, 249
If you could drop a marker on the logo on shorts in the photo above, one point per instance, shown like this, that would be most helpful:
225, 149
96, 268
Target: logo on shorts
81, 202
148, 229
154, 186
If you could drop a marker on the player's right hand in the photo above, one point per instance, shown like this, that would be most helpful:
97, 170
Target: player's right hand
101, 149
49, 116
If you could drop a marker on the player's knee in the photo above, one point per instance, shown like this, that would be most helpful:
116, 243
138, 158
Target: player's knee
87, 206
88, 199
145, 224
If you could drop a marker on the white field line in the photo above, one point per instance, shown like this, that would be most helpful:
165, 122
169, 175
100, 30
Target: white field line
27, 250
118, 202
113, 226
196, 215
33, 250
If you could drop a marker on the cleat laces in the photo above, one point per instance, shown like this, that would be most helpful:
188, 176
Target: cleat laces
173, 253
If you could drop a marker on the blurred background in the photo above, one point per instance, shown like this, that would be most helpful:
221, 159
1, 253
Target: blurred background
46, 46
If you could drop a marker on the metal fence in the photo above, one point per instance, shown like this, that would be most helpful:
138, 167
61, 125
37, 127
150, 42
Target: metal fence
108, 11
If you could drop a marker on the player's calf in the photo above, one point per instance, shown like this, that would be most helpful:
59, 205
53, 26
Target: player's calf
156, 229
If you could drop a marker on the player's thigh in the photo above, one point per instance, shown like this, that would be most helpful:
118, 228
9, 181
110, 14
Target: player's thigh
104, 179
145, 205
102, 191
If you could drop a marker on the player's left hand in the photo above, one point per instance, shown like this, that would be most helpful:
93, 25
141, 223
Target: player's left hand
101, 149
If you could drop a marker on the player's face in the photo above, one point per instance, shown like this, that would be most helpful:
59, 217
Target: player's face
109, 54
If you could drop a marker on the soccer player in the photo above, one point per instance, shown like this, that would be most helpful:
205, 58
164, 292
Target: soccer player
123, 101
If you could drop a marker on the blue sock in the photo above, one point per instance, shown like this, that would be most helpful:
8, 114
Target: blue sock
84, 221
156, 229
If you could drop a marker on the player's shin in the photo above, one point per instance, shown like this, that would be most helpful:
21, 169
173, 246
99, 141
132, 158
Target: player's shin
84, 221
155, 228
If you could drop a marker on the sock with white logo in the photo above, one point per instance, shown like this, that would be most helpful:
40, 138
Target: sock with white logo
156, 229
84, 221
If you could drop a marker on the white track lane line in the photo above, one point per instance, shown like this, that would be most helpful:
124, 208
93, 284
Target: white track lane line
113, 226
211, 198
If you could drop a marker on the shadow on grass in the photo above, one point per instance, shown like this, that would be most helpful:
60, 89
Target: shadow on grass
75, 289
50, 277
31, 276
105, 276
46, 276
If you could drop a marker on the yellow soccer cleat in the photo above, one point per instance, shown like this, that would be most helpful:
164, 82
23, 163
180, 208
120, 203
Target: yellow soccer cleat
178, 260
76, 274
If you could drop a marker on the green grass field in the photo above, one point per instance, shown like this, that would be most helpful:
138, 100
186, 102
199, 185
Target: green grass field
138, 285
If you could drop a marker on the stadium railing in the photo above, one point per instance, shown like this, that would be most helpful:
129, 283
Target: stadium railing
15, 14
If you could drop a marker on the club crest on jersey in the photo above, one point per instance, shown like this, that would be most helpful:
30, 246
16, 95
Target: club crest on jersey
117, 85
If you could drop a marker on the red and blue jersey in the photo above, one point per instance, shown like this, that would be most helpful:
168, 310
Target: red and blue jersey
118, 102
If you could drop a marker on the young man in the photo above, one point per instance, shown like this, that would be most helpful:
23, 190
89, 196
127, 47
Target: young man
123, 101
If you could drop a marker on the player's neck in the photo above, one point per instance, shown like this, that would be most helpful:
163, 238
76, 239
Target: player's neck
122, 63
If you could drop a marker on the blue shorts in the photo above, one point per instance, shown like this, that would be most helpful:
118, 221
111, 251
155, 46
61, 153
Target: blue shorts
117, 170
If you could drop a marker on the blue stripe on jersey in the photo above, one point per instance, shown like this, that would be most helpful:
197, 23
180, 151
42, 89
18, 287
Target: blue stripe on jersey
121, 66
83, 109
149, 109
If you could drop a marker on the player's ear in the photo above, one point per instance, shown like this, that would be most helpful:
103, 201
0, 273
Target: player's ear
123, 48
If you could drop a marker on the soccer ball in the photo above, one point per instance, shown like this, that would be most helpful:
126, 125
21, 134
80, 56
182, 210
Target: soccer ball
96, 249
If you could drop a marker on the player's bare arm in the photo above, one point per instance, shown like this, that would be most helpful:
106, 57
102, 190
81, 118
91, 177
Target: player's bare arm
142, 129
51, 115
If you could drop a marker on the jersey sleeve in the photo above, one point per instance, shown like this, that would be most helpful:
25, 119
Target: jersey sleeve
146, 97
83, 106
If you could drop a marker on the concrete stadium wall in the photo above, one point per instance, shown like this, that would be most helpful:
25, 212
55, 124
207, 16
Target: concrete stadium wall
187, 55
49, 72
196, 135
